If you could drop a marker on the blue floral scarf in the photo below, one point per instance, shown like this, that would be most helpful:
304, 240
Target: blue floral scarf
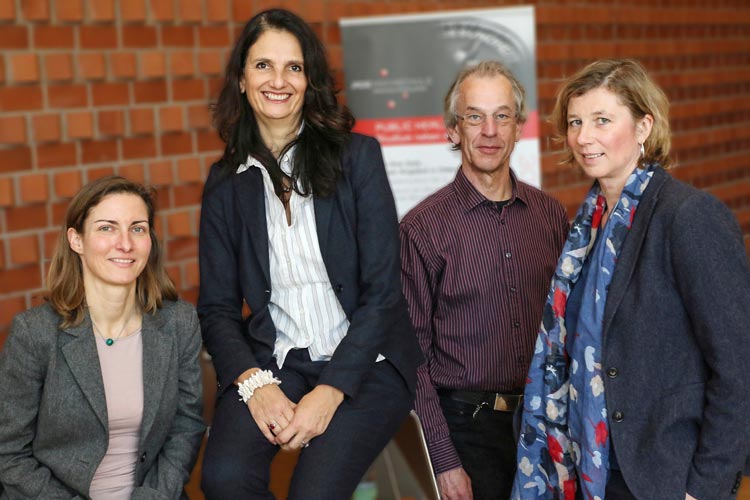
564, 430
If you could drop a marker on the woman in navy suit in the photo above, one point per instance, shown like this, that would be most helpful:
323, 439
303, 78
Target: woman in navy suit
639, 387
298, 223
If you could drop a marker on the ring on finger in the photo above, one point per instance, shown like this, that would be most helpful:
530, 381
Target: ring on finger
272, 426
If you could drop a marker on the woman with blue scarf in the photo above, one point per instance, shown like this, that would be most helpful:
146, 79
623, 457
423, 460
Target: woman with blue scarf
638, 387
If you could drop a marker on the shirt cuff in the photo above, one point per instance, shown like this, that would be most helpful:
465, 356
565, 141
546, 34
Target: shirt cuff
443, 455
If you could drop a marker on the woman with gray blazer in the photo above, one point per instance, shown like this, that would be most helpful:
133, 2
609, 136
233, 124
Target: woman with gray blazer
101, 392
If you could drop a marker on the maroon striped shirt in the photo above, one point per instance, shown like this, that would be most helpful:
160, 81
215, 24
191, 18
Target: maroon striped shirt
476, 279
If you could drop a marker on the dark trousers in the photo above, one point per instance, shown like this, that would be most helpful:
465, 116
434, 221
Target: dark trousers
485, 445
616, 488
236, 464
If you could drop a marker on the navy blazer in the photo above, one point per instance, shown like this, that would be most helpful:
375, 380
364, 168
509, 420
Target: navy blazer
53, 412
676, 347
358, 235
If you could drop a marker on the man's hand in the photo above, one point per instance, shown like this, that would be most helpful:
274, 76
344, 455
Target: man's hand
311, 417
454, 484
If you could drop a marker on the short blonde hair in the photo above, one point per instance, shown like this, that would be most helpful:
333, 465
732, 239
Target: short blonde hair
629, 81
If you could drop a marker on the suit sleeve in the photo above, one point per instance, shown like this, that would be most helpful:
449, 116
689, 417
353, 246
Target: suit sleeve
380, 302
713, 279
172, 467
220, 298
22, 376
419, 281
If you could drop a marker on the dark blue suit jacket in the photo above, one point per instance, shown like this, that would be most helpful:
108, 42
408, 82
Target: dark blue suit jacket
358, 236
676, 347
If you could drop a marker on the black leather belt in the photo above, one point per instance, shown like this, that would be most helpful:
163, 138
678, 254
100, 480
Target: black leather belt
494, 400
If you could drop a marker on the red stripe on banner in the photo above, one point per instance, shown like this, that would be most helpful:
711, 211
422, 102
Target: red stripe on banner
422, 129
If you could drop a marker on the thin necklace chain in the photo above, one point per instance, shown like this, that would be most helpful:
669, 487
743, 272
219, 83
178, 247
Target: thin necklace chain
109, 340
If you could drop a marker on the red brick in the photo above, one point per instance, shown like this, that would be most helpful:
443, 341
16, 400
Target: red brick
56, 155
20, 279
162, 11
181, 63
3, 264
154, 91
160, 173
67, 96
53, 37
174, 273
46, 128
188, 90
187, 194
211, 62
6, 199
106, 94
99, 151
14, 37
141, 120
34, 188
49, 241
192, 274
180, 143
213, 36
24, 250
67, 183
111, 122
2, 69
183, 248
177, 36
178, 224
209, 141
216, 84
24, 68
58, 67
14, 159
199, 116
190, 10
7, 10
12, 129
217, 11
98, 173
123, 65
101, 10
132, 171
138, 147
35, 10
98, 37
26, 217
139, 36
170, 118
189, 170
91, 66
9, 307
80, 125
58, 210
242, 10
133, 10
152, 64
69, 10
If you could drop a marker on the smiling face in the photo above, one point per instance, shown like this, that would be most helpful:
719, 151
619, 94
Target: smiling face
274, 80
604, 137
485, 147
115, 244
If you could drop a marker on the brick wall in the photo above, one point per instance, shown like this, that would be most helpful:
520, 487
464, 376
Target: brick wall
93, 87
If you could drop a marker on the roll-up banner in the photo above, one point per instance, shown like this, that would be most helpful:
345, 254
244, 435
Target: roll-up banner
398, 70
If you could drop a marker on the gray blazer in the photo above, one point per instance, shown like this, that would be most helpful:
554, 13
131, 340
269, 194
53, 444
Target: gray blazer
53, 415
676, 347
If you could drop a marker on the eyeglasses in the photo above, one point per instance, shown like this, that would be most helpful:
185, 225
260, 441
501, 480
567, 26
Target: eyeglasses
477, 119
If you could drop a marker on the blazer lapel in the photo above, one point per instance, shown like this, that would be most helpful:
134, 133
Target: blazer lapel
83, 360
157, 355
250, 197
323, 209
628, 258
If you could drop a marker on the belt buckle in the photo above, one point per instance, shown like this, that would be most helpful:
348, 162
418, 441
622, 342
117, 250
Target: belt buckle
504, 403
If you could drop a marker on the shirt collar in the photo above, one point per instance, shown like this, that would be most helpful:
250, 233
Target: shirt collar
285, 163
470, 197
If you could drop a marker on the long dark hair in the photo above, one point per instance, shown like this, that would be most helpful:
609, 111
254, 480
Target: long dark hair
317, 157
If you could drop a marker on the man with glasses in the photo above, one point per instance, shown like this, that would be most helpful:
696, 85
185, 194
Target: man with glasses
477, 259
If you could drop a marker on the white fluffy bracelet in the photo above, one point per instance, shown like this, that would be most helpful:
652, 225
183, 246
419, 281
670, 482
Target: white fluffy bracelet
254, 382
